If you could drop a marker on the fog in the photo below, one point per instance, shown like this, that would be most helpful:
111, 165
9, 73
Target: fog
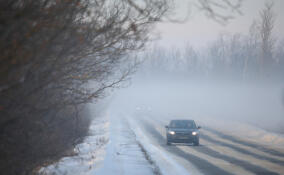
177, 98
236, 77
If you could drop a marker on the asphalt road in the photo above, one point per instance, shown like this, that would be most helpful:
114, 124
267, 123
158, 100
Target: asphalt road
219, 153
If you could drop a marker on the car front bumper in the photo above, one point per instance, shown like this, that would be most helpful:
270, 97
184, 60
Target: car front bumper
182, 138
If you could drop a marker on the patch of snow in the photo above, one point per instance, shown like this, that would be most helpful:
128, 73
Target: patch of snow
90, 153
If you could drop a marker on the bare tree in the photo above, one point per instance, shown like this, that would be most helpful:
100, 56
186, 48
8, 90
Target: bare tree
267, 41
221, 11
252, 47
57, 55
191, 59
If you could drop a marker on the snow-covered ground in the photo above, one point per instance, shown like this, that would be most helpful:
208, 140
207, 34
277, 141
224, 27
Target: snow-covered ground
111, 149
90, 153
132, 142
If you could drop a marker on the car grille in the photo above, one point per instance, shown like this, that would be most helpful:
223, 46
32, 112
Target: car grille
183, 134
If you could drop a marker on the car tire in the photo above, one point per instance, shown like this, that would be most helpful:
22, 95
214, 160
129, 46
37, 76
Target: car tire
168, 143
196, 143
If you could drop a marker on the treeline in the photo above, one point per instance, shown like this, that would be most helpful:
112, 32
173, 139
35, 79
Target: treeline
257, 55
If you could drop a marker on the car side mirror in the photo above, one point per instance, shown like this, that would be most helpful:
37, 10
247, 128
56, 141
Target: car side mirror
199, 127
167, 126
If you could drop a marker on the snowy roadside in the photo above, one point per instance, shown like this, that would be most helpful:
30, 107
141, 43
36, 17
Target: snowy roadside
89, 154
111, 148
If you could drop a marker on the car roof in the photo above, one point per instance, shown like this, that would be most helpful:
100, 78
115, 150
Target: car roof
181, 120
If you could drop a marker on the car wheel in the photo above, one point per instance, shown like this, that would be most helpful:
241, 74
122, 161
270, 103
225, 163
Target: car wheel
168, 143
196, 143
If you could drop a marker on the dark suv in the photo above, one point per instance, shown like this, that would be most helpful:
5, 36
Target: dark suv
182, 131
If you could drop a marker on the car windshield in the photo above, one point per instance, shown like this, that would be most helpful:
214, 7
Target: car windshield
182, 124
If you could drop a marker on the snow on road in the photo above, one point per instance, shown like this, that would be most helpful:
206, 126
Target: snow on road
222, 155
245, 131
168, 163
121, 143
124, 155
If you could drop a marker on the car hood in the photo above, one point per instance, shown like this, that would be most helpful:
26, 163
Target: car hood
182, 129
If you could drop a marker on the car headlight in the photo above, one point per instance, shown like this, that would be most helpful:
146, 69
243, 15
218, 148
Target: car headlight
172, 132
194, 133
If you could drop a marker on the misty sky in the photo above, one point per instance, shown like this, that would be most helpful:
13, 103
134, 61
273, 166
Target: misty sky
199, 30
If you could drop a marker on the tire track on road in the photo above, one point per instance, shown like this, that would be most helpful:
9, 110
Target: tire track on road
232, 153
203, 165
244, 164
246, 143
250, 149
199, 163
241, 150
